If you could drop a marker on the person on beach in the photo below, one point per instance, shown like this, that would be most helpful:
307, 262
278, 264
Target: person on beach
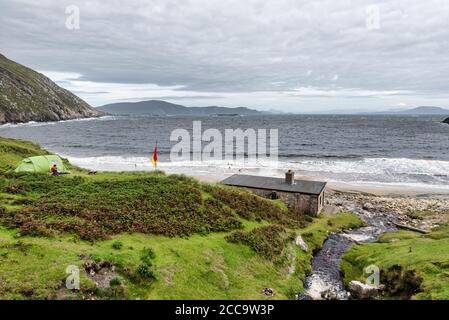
54, 170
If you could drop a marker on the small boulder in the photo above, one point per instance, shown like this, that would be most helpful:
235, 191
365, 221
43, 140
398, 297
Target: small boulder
361, 291
368, 206
91, 267
330, 294
299, 241
268, 292
446, 121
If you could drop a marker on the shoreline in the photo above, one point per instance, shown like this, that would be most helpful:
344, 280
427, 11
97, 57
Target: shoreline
208, 172
386, 190
42, 123
369, 189
211, 176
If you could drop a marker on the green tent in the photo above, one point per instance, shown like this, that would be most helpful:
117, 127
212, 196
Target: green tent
41, 164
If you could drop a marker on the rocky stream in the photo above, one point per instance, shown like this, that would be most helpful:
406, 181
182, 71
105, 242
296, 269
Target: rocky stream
381, 215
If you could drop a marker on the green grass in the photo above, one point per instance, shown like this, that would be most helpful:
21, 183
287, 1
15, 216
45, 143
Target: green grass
197, 267
186, 223
427, 255
317, 232
200, 267
13, 151
34, 268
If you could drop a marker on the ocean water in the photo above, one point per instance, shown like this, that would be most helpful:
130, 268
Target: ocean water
396, 150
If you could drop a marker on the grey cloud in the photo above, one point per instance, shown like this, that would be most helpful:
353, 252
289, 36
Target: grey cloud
173, 98
236, 46
89, 92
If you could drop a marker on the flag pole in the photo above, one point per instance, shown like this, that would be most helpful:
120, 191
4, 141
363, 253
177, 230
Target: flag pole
154, 158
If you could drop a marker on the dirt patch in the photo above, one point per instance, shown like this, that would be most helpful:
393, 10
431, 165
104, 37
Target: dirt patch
268, 241
400, 283
106, 282
100, 272
168, 273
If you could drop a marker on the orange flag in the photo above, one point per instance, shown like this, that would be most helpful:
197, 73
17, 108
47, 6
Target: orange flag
154, 158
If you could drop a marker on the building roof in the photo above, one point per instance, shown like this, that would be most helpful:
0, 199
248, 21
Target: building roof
275, 184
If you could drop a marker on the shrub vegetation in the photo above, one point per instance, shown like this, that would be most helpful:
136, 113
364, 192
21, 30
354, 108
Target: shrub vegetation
252, 207
268, 241
96, 208
184, 221
412, 265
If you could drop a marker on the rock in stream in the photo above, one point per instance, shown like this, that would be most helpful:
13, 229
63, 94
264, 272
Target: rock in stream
325, 281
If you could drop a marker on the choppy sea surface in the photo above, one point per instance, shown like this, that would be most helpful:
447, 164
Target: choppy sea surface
395, 150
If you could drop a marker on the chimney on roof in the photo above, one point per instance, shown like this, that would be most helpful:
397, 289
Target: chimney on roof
290, 177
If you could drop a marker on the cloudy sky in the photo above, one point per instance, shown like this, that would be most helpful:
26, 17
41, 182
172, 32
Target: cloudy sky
289, 55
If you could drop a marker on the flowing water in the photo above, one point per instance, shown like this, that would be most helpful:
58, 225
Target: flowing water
325, 281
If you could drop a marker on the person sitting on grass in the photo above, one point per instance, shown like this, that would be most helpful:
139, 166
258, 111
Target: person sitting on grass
54, 170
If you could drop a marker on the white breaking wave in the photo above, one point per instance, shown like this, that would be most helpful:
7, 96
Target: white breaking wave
385, 166
47, 123
372, 166
394, 172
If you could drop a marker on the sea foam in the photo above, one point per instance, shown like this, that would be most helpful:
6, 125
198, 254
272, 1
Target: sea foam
388, 171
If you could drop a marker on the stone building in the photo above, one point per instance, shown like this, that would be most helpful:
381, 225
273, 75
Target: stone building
303, 195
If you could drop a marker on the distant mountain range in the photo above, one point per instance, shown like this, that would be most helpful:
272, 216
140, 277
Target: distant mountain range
163, 108
416, 111
425, 110
26, 95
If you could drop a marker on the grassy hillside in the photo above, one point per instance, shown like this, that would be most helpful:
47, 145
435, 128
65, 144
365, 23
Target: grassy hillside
146, 236
26, 95
13, 151
407, 260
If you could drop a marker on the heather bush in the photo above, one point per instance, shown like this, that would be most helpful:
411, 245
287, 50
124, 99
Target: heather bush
117, 245
96, 210
219, 218
171, 206
115, 282
252, 207
23, 201
268, 241
37, 183
147, 256
146, 272
400, 283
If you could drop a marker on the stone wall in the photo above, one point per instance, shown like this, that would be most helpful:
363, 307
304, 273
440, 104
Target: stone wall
309, 204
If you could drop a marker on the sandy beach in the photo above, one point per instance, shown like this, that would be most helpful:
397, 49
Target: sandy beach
387, 190
375, 189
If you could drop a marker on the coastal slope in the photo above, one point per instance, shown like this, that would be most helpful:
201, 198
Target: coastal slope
26, 95
141, 235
